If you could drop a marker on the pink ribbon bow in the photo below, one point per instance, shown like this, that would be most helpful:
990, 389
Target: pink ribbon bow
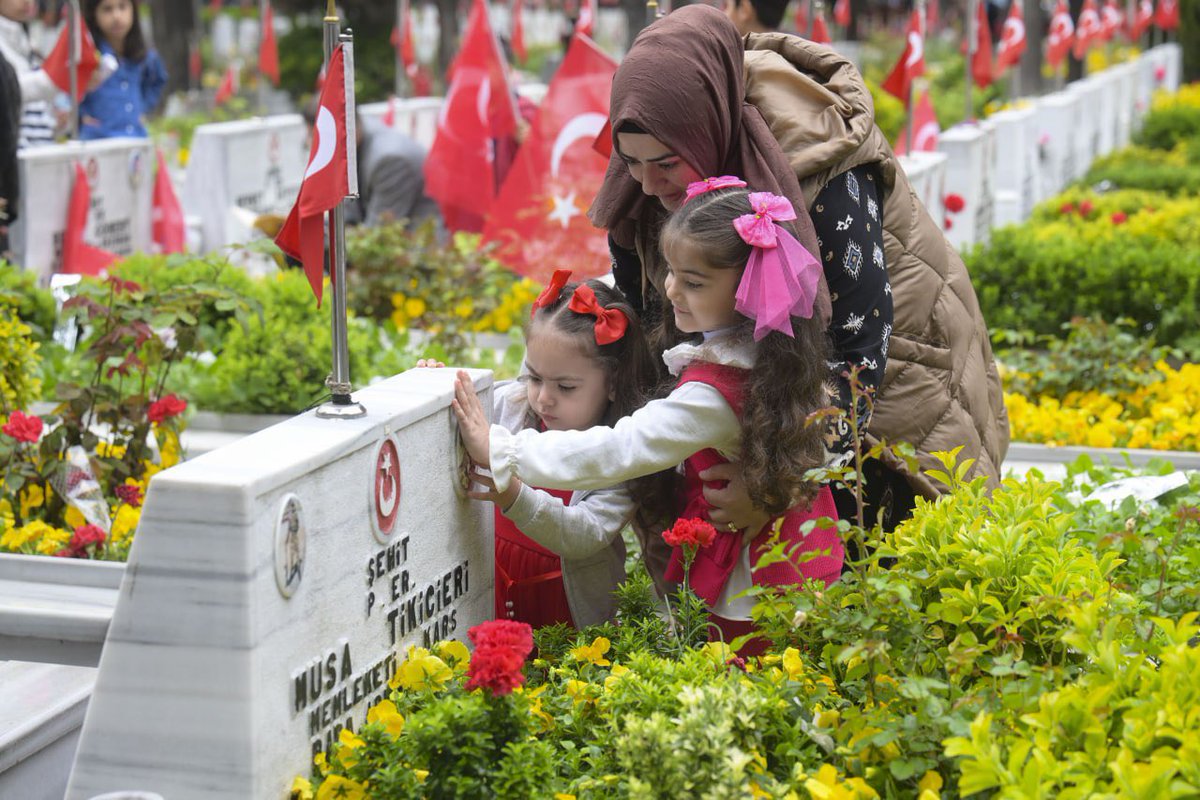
712, 184
781, 278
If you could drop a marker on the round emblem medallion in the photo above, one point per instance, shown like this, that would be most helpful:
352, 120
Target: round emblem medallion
290, 540
385, 489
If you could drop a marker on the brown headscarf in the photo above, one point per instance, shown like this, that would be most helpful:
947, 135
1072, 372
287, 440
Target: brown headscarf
683, 83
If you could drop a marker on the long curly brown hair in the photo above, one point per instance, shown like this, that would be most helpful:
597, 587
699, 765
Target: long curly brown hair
790, 377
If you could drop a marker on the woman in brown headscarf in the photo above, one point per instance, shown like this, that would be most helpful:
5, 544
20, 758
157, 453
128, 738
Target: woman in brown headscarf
692, 99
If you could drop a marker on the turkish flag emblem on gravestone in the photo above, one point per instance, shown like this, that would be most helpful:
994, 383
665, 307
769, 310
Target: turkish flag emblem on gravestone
1012, 38
539, 220
328, 178
911, 63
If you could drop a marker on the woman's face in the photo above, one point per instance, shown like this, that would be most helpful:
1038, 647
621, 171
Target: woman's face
661, 172
18, 10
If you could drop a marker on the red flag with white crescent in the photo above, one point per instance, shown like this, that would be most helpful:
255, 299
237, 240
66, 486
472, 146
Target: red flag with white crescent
1012, 38
403, 41
841, 12
586, 23
517, 33
268, 49
925, 128
1143, 18
981, 59
57, 64
1167, 18
1112, 19
228, 87
1062, 35
167, 225
539, 221
327, 179
79, 257
1087, 29
820, 31
911, 63
478, 109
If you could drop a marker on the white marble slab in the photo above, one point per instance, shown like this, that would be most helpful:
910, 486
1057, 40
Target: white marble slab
1056, 118
1086, 126
254, 165
1173, 61
969, 151
203, 690
414, 116
41, 709
1106, 97
926, 174
121, 177
1015, 164
1125, 78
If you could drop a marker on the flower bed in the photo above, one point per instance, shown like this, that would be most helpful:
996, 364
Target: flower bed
1030, 643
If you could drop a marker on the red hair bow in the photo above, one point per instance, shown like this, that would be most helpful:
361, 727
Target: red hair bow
550, 294
610, 322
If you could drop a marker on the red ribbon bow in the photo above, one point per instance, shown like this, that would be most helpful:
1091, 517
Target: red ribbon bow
610, 322
550, 294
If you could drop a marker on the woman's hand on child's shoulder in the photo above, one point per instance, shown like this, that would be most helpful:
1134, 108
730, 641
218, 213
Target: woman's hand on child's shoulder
429, 363
473, 424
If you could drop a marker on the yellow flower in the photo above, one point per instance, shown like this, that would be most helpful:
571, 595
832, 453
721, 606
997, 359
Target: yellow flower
302, 789
826, 719
415, 307
348, 742
321, 762
53, 540
563, 796
717, 652
399, 320
793, 665
617, 672
32, 497
107, 450
581, 691
335, 787
593, 653
125, 523
421, 670
455, 653
464, 308
930, 786
74, 517
421, 774
387, 714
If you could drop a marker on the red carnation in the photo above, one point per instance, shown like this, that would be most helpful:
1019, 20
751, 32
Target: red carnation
1086, 207
23, 427
129, 494
501, 647
85, 536
954, 203
1066, 208
166, 407
947, 223
1119, 217
690, 533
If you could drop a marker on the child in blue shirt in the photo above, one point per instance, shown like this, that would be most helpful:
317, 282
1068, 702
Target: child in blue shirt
117, 106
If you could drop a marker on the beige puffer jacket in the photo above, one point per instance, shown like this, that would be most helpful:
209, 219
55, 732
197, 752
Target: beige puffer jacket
940, 389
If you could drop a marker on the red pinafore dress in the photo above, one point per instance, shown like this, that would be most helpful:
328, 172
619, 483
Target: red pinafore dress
714, 564
529, 578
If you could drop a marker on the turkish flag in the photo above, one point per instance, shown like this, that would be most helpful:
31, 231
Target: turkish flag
1012, 38
167, 224
1062, 35
1087, 29
820, 31
327, 178
841, 12
389, 116
925, 128
539, 221
1167, 18
587, 18
802, 17
57, 65
981, 59
1142, 19
932, 15
1112, 19
268, 50
79, 257
195, 64
402, 41
911, 63
478, 110
228, 87
517, 33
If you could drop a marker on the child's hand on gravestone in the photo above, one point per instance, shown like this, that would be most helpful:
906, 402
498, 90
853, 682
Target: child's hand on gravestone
429, 363
472, 422
503, 500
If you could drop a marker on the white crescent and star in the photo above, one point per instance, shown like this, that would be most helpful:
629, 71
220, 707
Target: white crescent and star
326, 133
916, 46
581, 126
926, 137
387, 490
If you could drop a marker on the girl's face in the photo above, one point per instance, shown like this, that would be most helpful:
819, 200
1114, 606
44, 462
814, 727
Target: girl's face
566, 387
114, 18
18, 10
702, 296
657, 168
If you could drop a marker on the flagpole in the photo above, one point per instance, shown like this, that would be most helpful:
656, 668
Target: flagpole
342, 405
73, 54
912, 89
262, 76
972, 44
400, 32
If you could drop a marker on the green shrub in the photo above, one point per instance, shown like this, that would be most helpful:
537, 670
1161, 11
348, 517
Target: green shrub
1167, 126
20, 364
34, 305
1173, 172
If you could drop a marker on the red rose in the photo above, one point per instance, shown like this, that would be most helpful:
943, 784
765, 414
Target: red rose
1066, 209
1119, 217
690, 532
501, 647
85, 536
129, 495
166, 407
23, 427
1086, 207
954, 203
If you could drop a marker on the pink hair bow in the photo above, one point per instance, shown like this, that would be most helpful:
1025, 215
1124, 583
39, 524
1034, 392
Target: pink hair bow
781, 278
712, 184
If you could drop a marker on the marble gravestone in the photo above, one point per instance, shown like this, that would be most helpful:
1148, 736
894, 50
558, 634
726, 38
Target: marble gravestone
1125, 81
272, 589
926, 174
968, 148
1056, 117
415, 116
120, 175
254, 164
1085, 127
1014, 165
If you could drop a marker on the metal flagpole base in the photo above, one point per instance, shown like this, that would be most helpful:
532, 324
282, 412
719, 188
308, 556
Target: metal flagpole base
347, 409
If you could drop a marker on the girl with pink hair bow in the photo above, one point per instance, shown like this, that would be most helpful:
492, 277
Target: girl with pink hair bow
750, 368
